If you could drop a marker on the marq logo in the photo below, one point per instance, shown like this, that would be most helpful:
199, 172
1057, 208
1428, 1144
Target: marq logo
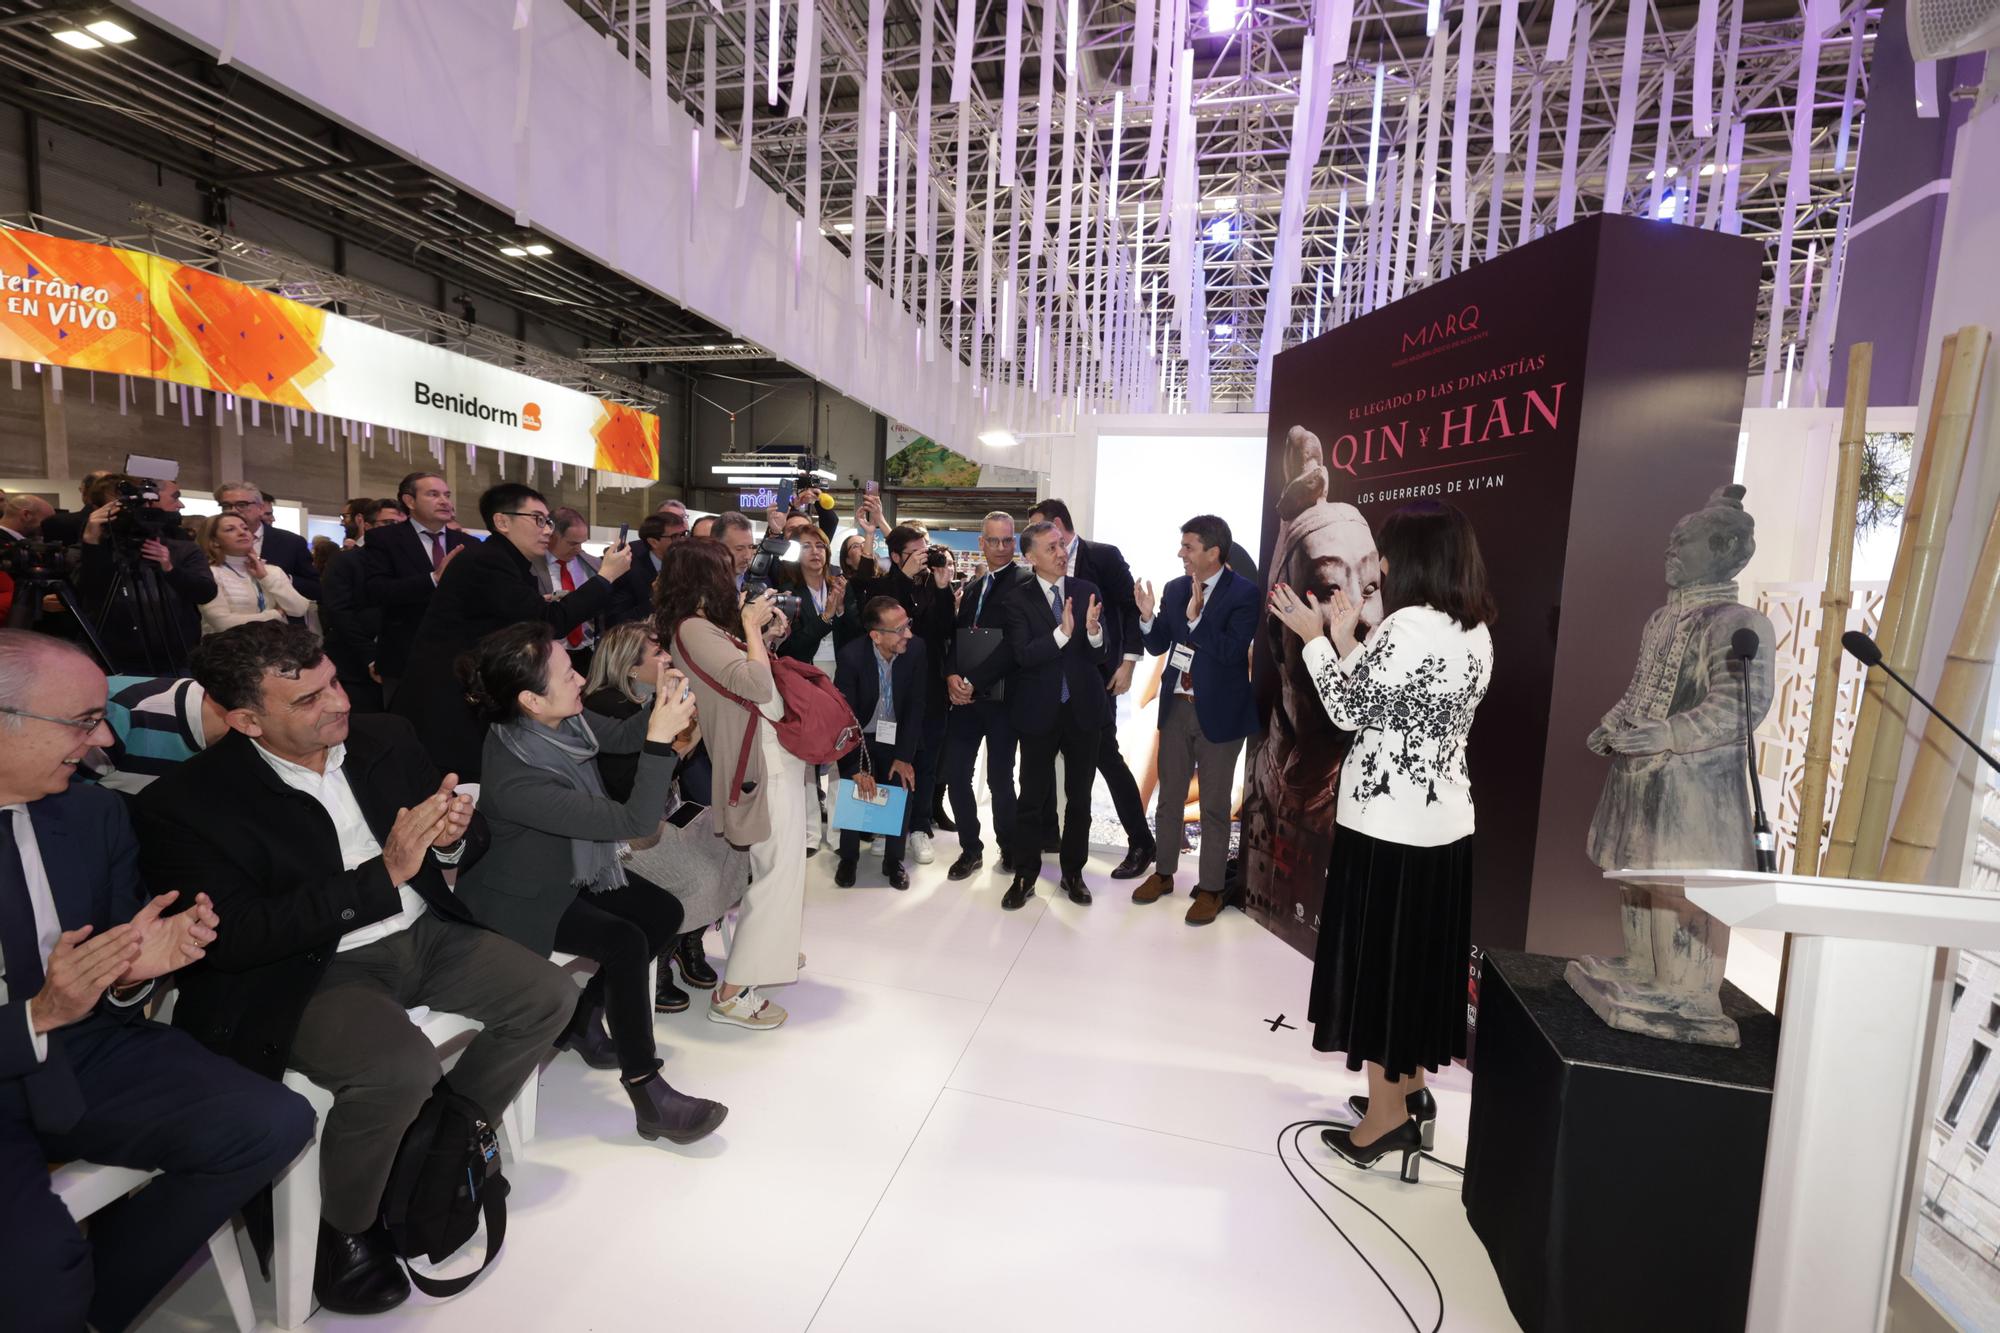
466, 405
1442, 330
531, 417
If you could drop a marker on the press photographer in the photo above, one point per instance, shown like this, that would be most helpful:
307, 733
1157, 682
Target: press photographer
141, 580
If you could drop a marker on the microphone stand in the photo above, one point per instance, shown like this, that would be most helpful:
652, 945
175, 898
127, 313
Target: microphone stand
1911, 690
1767, 855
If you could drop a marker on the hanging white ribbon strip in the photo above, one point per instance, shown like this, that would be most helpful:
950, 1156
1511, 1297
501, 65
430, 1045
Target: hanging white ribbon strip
871, 106
1531, 163
749, 125
1044, 112
524, 75
805, 62
1847, 101
1144, 22
657, 62
1562, 21
809, 224
1566, 192
371, 21
1461, 108
524, 13
1066, 167
922, 161
1375, 131
1728, 111
1405, 175
1503, 78
1618, 166
1661, 142
959, 181
1010, 94
893, 192
1433, 130
1704, 68
230, 19
961, 51
772, 42
1733, 178
1337, 36
1164, 59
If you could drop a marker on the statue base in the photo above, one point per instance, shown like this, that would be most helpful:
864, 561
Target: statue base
1631, 1002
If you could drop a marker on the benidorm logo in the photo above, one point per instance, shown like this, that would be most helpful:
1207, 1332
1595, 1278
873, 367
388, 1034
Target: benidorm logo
1444, 330
531, 417
466, 405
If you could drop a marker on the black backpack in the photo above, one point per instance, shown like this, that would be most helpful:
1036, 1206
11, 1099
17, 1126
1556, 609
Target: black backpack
445, 1178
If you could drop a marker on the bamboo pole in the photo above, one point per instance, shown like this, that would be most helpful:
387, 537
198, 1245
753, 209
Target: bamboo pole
1961, 397
1847, 815
1834, 603
1961, 689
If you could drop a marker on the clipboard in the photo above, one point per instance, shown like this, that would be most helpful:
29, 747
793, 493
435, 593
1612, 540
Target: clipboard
973, 648
883, 815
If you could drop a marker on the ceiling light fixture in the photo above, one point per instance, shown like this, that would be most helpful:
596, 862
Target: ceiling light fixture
513, 252
79, 39
114, 33
538, 250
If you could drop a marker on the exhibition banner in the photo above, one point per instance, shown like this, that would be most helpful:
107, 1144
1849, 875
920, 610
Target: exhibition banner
94, 307
1573, 397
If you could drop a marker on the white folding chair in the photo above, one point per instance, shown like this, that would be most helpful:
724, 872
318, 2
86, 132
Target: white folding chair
527, 1105
88, 1187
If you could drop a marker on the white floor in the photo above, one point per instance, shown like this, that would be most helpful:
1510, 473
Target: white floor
1057, 1118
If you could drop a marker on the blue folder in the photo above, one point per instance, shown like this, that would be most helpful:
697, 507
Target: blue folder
884, 815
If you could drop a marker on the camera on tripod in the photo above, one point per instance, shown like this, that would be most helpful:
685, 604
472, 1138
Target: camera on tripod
138, 522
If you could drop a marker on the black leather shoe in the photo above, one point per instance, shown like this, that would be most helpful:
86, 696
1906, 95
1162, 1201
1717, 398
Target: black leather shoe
1006, 863
1018, 893
1138, 860
1423, 1109
843, 875
673, 1116
358, 1274
898, 877
696, 974
1078, 893
966, 866
589, 1040
1403, 1139
667, 997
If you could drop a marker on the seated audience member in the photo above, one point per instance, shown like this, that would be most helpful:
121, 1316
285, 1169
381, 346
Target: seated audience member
553, 879
351, 621
883, 678
632, 596
701, 870
247, 588
82, 1074
404, 565
490, 587
274, 546
157, 724
338, 920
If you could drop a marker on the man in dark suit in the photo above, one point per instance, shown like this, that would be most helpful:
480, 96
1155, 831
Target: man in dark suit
1057, 702
882, 677
979, 707
274, 546
404, 565
1205, 626
353, 624
83, 1075
632, 596
492, 587
564, 568
321, 837
922, 587
1104, 565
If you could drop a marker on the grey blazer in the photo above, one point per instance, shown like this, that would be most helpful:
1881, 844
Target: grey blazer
521, 886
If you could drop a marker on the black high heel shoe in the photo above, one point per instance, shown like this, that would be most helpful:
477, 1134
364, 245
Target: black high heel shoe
1423, 1109
1404, 1138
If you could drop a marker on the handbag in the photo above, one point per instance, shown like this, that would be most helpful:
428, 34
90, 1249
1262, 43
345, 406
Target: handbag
444, 1182
818, 725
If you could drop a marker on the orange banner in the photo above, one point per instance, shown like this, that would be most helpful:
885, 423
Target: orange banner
71, 303
217, 334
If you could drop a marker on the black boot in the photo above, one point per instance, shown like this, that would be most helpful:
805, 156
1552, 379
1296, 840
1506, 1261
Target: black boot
358, 1274
587, 1037
667, 997
673, 1116
693, 962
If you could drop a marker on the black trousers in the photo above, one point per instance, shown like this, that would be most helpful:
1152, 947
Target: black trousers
1078, 747
929, 768
623, 929
982, 722
154, 1099
892, 848
1123, 786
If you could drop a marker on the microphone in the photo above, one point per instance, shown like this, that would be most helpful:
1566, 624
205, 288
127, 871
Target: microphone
1867, 652
1743, 645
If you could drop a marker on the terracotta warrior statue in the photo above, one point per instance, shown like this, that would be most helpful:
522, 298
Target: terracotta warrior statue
1678, 795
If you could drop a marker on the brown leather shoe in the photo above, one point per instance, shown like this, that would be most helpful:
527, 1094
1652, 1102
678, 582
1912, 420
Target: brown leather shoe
1207, 906
1153, 888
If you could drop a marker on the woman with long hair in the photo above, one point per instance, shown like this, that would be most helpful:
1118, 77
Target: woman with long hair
702, 871
1395, 929
820, 590
698, 616
246, 588
857, 571
552, 878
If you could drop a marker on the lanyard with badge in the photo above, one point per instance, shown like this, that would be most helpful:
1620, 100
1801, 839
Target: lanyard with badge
885, 711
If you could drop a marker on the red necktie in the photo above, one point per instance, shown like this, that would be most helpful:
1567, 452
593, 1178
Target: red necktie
569, 585
437, 550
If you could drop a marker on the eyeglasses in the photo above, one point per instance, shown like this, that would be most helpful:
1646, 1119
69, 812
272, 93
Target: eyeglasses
541, 520
230, 506
898, 631
83, 725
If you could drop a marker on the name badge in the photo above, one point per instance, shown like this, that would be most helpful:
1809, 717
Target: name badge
885, 732
1181, 658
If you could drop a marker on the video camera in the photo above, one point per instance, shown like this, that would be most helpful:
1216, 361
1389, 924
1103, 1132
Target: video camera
138, 522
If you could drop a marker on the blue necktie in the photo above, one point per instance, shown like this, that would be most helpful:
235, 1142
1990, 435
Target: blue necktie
1055, 605
55, 1102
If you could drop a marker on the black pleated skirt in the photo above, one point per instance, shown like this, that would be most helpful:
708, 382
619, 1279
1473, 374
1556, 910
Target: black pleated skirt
1395, 939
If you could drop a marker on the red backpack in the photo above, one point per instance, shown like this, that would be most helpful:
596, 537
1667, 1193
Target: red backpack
818, 726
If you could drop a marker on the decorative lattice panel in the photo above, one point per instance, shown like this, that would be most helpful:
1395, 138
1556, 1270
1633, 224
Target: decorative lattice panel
1795, 616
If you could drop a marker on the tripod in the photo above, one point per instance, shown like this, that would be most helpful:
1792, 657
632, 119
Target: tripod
134, 600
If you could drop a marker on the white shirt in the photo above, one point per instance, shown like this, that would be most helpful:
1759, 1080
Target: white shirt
1182, 684
1409, 691
1075, 545
357, 841
6, 531
48, 926
424, 536
1062, 639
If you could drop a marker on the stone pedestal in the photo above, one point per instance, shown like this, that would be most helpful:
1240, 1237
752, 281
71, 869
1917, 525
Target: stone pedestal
1668, 983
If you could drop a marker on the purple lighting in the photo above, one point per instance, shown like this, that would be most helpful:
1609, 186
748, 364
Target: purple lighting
1223, 16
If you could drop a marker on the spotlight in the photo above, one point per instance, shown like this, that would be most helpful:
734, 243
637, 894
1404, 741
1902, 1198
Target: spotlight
78, 38
538, 250
1223, 16
110, 32
513, 252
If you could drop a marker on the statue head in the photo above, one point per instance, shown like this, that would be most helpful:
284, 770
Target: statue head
1332, 547
1302, 451
1714, 543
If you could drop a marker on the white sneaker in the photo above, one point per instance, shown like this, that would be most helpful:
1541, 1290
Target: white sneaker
746, 1009
920, 849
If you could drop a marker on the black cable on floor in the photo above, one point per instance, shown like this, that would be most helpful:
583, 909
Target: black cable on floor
1297, 1130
